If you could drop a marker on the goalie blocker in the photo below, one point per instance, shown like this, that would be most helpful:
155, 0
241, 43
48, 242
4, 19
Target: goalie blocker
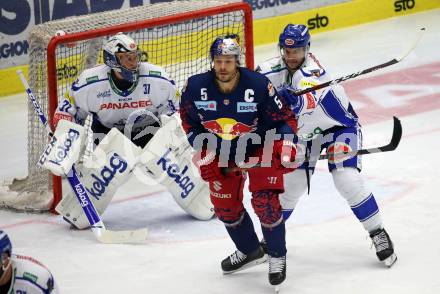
166, 159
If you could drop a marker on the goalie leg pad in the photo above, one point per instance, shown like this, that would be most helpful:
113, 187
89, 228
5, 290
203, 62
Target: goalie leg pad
168, 159
108, 168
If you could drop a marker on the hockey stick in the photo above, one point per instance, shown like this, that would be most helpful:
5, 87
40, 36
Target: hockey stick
365, 71
98, 227
392, 145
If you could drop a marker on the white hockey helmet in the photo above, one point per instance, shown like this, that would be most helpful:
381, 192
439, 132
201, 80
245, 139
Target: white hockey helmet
121, 43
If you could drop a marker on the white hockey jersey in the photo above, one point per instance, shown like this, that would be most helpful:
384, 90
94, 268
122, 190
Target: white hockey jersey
94, 92
316, 111
29, 276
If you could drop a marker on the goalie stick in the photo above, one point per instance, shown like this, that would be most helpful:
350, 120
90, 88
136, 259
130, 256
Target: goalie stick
392, 145
365, 71
98, 227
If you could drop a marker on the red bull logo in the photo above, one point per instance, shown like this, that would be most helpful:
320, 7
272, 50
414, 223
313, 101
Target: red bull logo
227, 128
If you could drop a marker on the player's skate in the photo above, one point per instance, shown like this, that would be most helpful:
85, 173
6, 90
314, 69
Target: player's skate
277, 271
238, 261
384, 247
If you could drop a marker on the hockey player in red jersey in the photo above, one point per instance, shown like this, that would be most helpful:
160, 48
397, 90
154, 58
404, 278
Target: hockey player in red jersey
230, 106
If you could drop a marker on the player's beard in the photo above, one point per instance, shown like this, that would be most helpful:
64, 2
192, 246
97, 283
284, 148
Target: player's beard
228, 84
227, 78
296, 65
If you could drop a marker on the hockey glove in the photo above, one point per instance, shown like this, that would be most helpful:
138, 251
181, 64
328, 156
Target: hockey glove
59, 115
292, 99
284, 153
208, 165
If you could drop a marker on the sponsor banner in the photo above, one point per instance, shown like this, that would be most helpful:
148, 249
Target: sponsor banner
271, 8
17, 18
337, 16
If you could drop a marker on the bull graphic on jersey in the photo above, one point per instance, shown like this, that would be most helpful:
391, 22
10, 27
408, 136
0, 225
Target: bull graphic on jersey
227, 128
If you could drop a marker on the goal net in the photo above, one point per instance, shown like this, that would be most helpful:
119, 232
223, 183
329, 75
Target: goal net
176, 35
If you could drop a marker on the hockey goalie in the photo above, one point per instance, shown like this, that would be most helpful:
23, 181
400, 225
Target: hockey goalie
135, 131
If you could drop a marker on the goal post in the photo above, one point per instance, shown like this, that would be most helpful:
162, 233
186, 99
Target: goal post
175, 35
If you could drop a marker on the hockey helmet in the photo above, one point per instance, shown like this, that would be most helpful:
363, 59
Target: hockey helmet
5, 243
227, 45
121, 43
294, 36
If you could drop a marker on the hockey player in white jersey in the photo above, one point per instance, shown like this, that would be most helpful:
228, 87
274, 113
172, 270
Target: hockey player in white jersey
114, 92
22, 274
326, 120
128, 97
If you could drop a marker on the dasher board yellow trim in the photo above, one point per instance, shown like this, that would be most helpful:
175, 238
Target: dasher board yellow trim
338, 16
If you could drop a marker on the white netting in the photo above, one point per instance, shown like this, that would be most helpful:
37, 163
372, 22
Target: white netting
181, 48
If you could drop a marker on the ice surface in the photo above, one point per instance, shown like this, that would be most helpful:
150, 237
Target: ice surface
328, 250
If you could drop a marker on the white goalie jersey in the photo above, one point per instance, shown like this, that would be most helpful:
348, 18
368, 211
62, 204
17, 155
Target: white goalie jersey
31, 277
316, 111
94, 92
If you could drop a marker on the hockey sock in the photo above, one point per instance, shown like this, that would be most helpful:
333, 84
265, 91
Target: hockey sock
287, 213
276, 239
243, 234
367, 212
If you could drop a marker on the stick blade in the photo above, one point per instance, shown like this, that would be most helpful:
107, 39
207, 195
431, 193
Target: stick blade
123, 237
397, 135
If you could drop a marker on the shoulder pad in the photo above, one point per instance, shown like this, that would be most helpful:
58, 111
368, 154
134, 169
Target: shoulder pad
313, 67
155, 73
152, 70
271, 65
92, 75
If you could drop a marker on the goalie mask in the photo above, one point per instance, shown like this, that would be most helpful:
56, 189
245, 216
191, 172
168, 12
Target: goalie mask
226, 46
292, 38
122, 55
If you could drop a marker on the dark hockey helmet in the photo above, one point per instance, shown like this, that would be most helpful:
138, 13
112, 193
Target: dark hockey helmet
121, 43
5, 249
5, 243
294, 36
227, 45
